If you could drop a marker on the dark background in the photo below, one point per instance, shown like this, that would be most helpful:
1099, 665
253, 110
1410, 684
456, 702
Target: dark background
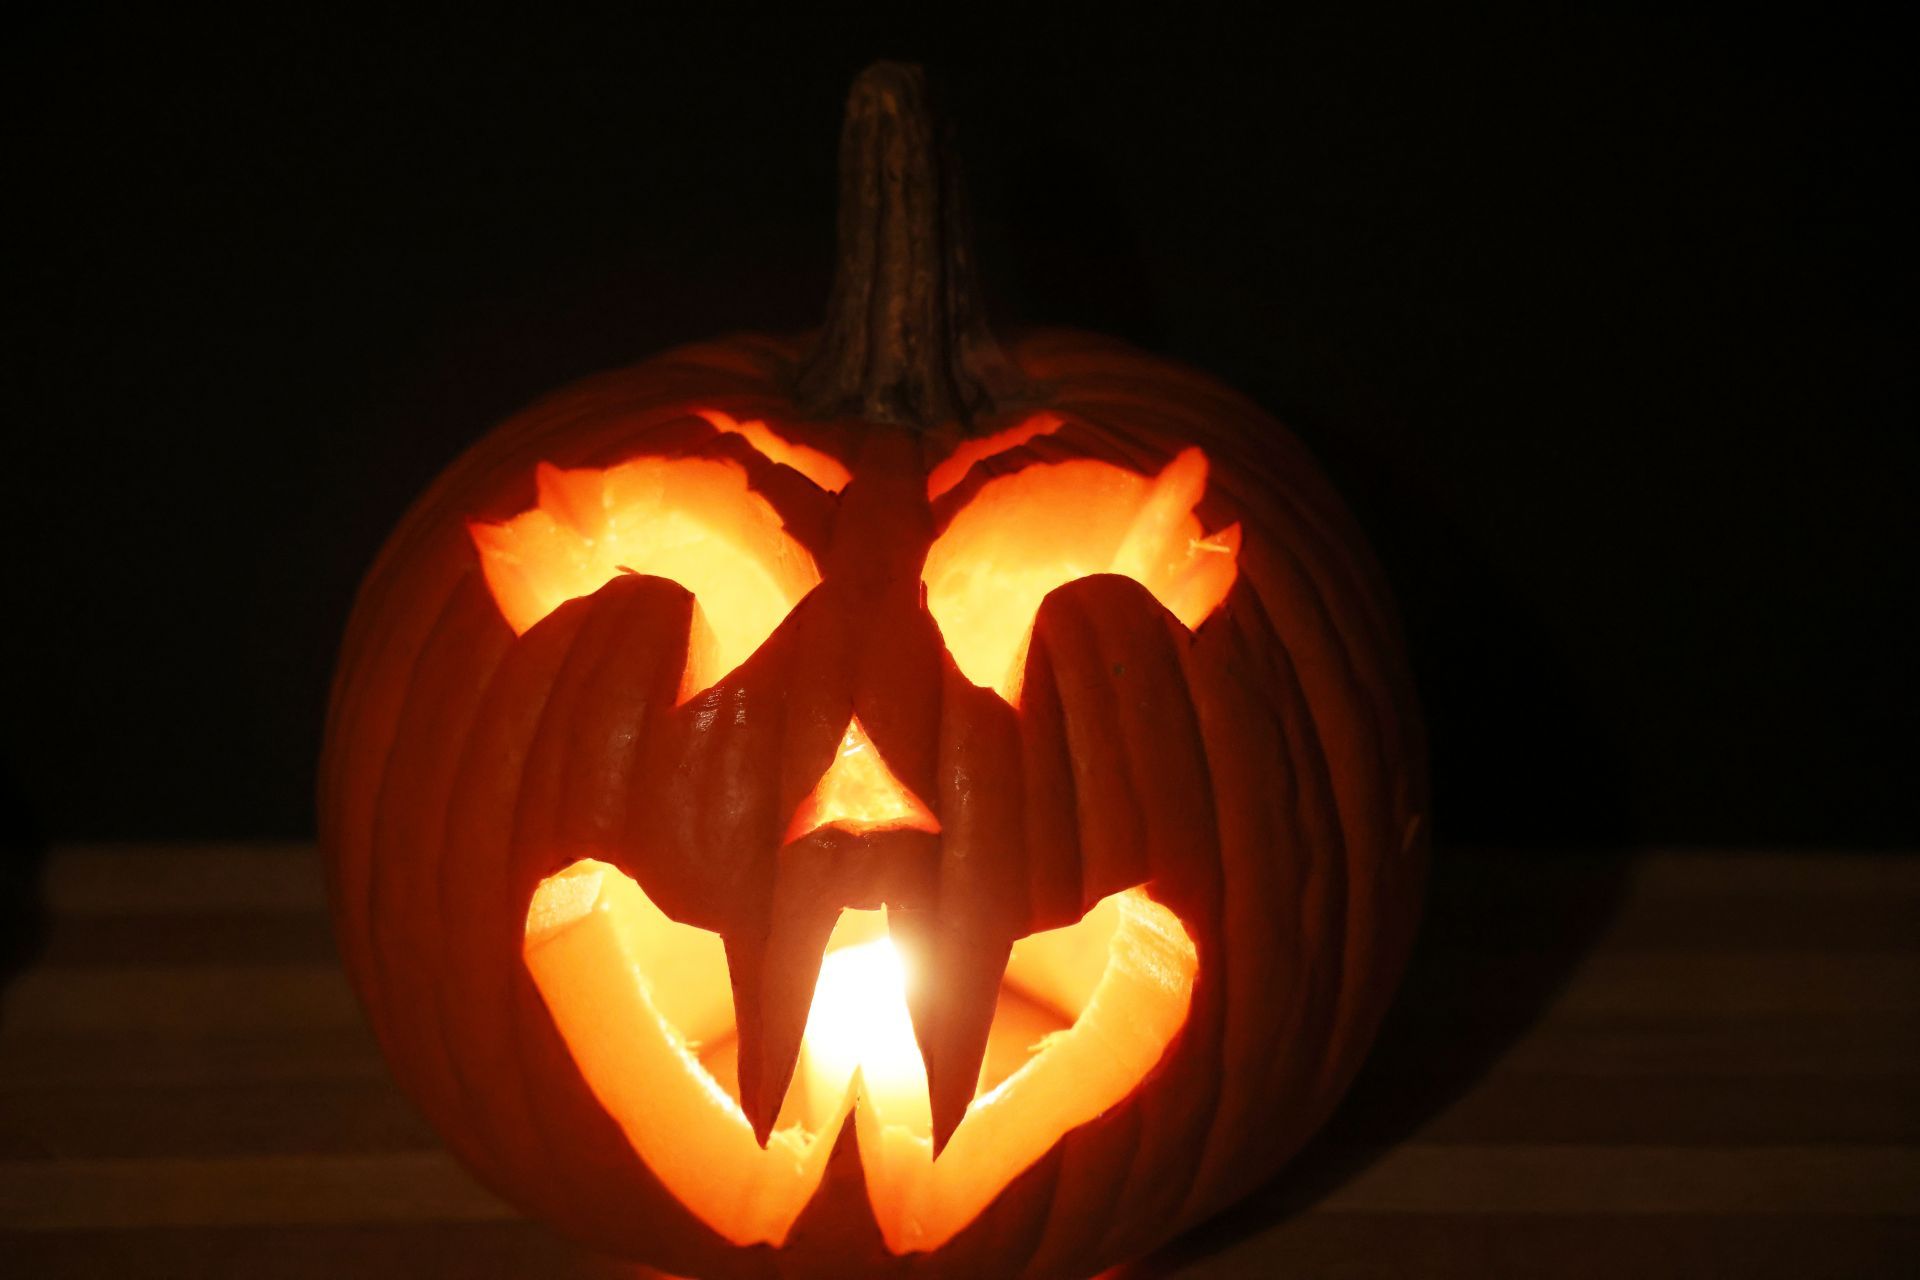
1600, 323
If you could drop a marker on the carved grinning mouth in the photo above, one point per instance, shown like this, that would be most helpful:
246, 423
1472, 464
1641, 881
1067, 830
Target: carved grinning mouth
645, 1006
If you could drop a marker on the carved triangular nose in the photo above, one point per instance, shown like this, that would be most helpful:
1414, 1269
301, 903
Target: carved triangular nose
858, 792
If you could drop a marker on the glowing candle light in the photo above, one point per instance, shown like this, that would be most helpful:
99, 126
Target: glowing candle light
859, 1020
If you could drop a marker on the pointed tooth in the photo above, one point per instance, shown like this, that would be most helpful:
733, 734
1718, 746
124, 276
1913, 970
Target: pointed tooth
745, 966
773, 980
914, 936
953, 1068
955, 985
970, 978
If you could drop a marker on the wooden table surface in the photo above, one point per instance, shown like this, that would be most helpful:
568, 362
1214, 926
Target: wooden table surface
1661, 1063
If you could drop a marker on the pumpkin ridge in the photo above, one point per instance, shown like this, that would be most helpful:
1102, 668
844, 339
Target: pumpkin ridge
394, 856
380, 808
360, 950
608, 636
486, 700
1280, 826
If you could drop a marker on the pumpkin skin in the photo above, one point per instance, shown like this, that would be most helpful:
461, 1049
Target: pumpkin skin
1263, 776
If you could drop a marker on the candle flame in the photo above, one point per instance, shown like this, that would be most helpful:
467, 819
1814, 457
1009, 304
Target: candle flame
859, 1020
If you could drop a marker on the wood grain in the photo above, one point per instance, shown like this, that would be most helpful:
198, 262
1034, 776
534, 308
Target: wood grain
1677, 1063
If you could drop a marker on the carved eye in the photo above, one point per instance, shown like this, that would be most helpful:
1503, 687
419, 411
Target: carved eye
694, 521
1025, 534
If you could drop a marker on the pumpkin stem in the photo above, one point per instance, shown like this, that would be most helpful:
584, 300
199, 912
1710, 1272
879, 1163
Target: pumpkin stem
905, 338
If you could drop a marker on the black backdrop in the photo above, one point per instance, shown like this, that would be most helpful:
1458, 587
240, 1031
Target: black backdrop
1598, 322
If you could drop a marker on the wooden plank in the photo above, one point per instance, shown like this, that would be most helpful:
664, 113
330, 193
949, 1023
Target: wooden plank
1678, 1063
121, 878
1420, 1178
267, 936
1412, 1179
468, 1251
203, 876
1732, 1111
195, 1001
365, 1113
310, 1117
1348, 1246
1801, 874
1410, 1060
1516, 920
1666, 984
1841, 1046
204, 1000
72, 1195
184, 938
199, 903
1353, 1246
133, 1060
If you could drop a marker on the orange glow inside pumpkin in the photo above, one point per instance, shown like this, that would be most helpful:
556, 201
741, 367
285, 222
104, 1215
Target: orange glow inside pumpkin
691, 520
646, 1009
858, 792
1025, 534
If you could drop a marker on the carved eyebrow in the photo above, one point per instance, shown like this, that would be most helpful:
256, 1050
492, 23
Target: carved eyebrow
953, 469
1025, 534
693, 521
824, 470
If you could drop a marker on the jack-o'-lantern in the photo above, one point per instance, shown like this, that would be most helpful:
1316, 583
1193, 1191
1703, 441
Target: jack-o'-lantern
884, 803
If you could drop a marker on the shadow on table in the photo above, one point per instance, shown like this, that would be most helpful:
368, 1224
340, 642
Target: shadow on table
1504, 932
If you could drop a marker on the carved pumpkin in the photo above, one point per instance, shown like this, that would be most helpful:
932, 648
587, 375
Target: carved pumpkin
882, 804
